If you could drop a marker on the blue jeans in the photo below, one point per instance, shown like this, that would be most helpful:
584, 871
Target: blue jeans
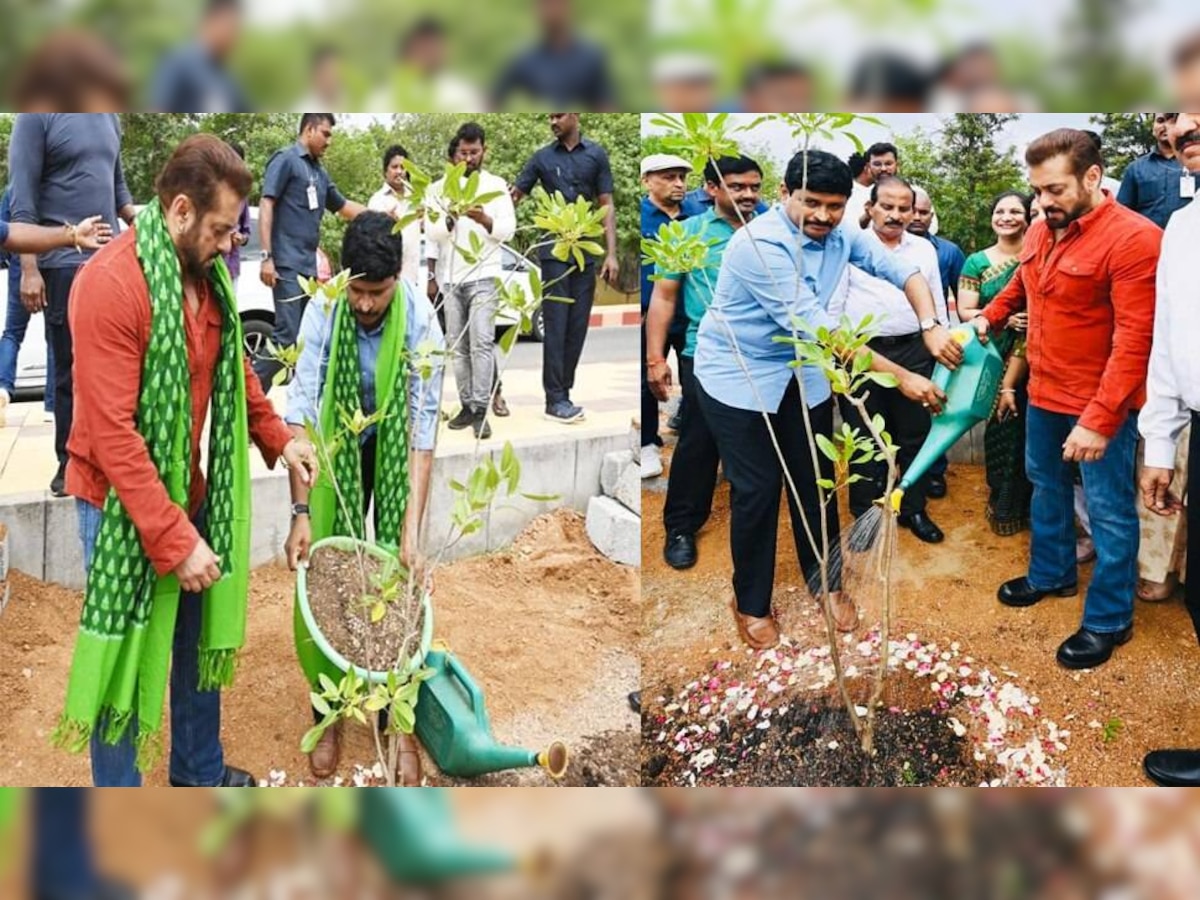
1110, 488
16, 322
197, 758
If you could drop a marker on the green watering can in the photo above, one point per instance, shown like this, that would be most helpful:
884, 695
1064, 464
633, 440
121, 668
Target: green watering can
317, 656
413, 835
452, 723
970, 398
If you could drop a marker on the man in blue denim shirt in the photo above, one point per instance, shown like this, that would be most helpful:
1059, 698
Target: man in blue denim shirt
781, 267
1156, 184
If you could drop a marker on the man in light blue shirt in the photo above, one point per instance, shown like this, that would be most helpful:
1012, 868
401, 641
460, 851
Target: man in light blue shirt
784, 267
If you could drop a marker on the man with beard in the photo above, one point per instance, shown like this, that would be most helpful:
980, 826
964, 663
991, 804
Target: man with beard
469, 287
1156, 185
899, 337
735, 184
296, 192
358, 350
1173, 402
574, 166
159, 351
1087, 279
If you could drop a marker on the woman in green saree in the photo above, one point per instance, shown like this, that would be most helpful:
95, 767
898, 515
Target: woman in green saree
984, 275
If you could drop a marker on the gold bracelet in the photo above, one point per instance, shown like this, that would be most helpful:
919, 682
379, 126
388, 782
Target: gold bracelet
72, 236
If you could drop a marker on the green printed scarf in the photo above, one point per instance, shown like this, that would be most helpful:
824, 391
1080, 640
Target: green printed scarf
342, 396
123, 652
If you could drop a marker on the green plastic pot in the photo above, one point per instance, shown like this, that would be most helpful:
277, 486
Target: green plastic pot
317, 656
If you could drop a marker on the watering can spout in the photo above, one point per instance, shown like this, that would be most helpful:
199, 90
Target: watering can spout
452, 723
970, 397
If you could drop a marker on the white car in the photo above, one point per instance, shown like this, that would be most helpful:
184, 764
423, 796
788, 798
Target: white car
256, 307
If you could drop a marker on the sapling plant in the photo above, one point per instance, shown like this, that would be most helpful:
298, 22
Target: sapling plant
570, 230
839, 353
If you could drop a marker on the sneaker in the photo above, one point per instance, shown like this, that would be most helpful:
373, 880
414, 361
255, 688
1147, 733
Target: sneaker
564, 412
652, 465
464, 419
48, 416
5, 398
479, 424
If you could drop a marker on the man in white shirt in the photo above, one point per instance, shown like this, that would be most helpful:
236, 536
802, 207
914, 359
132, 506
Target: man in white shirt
860, 196
899, 339
393, 199
1173, 401
469, 287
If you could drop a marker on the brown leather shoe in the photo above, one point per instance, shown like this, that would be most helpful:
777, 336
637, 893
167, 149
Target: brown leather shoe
408, 762
324, 759
760, 633
499, 406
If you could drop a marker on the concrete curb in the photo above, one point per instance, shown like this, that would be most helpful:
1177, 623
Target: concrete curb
623, 314
43, 539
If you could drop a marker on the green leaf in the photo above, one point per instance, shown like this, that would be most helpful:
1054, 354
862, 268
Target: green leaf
327, 683
542, 498
311, 738
509, 338
378, 611
319, 703
826, 447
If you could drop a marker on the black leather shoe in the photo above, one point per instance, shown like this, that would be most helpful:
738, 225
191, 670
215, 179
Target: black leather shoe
923, 527
635, 702
1173, 768
1088, 649
58, 483
1019, 592
935, 487
464, 419
680, 550
234, 777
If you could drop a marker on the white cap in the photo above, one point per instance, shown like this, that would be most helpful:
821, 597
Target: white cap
661, 162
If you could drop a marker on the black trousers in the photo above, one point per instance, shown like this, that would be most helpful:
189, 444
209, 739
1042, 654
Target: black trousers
675, 341
566, 325
1192, 587
755, 480
907, 423
694, 465
58, 327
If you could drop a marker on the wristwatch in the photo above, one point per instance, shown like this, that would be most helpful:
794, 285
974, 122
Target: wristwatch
299, 509
265, 255
930, 323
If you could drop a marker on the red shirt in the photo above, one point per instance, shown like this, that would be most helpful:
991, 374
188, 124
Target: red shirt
109, 312
1091, 314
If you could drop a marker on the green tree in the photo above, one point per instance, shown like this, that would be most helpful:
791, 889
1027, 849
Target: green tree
962, 169
1126, 137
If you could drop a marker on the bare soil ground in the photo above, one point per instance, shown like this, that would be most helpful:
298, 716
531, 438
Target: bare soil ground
548, 628
1140, 700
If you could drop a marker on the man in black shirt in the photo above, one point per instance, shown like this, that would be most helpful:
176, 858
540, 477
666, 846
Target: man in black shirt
575, 167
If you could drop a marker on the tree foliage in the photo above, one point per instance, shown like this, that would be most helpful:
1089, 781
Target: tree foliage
1126, 137
355, 158
962, 169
